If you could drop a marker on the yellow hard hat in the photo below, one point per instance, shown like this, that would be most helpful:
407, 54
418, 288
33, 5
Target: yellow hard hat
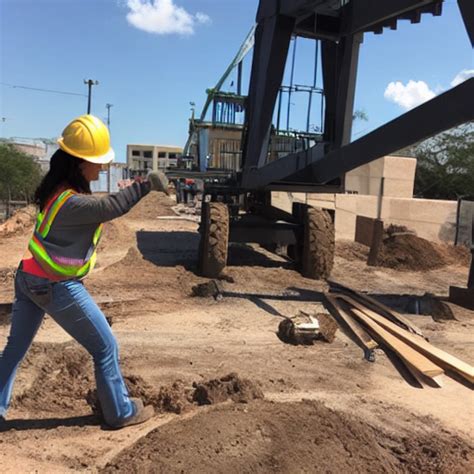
88, 138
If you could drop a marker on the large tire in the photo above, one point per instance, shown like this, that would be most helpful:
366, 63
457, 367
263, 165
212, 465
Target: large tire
214, 242
318, 244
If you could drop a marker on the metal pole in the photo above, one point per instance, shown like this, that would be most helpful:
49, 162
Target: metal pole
310, 99
108, 114
280, 93
108, 126
470, 278
458, 218
90, 83
316, 54
239, 78
291, 83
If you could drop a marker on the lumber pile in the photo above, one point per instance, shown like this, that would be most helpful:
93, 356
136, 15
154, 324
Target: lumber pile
371, 325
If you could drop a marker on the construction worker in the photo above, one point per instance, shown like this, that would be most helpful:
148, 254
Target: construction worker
61, 252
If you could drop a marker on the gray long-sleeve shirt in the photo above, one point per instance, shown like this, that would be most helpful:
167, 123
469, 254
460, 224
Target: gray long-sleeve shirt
72, 230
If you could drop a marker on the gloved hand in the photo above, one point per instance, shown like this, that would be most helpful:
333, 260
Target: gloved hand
158, 181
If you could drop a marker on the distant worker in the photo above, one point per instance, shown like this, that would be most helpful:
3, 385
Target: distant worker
61, 252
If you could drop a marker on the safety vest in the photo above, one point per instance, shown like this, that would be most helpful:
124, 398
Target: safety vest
57, 265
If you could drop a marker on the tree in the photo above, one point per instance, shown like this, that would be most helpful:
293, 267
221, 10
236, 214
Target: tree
445, 165
19, 174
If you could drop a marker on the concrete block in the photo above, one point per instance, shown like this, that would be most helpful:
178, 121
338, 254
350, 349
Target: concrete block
345, 224
396, 167
398, 188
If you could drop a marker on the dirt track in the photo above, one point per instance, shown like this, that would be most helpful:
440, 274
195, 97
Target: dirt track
357, 416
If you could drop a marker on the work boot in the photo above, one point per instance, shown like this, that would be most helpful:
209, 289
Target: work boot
142, 414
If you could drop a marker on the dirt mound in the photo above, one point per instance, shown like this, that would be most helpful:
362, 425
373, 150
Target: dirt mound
455, 255
229, 387
178, 397
409, 252
352, 251
152, 205
133, 258
7, 276
174, 398
290, 437
116, 234
62, 374
21, 221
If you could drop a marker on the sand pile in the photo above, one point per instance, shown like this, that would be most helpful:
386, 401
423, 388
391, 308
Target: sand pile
116, 234
289, 437
229, 387
151, 206
409, 252
352, 251
21, 221
179, 397
60, 378
60, 374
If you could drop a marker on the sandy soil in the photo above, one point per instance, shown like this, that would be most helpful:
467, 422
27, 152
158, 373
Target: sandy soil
325, 408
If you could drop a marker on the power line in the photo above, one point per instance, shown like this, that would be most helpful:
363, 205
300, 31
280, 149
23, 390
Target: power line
15, 86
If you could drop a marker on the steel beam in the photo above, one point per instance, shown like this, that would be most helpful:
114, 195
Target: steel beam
467, 11
445, 111
272, 40
441, 113
360, 15
339, 61
282, 168
293, 8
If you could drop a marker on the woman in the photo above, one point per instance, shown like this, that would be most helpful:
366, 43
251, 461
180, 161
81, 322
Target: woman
61, 253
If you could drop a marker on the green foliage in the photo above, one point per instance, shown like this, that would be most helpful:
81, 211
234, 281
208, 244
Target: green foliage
360, 115
19, 174
445, 168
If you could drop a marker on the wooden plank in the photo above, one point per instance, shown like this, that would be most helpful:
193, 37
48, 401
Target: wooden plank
359, 332
378, 306
435, 382
439, 356
406, 352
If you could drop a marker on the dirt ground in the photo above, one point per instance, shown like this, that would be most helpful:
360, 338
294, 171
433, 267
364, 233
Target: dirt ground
205, 365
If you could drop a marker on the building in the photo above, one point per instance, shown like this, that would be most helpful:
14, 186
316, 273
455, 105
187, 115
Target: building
110, 180
152, 157
41, 149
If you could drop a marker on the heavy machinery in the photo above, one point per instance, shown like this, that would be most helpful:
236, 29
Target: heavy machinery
239, 208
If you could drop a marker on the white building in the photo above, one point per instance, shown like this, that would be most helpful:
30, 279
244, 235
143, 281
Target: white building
152, 157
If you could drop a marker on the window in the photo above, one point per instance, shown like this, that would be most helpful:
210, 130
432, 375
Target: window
135, 152
161, 154
172, 155
147, 154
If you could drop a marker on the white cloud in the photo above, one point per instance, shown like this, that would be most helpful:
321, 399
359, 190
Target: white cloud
462, 76
410, 95
163, 17
203, 18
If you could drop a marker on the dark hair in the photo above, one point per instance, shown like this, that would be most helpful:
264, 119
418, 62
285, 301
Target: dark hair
64, 170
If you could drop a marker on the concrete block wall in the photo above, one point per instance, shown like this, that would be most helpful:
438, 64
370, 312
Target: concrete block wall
431, 219
398, 173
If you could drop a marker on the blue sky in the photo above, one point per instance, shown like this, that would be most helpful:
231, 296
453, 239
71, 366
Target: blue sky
150, 78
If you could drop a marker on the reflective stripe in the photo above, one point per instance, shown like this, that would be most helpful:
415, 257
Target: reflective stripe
46, 219
43, 225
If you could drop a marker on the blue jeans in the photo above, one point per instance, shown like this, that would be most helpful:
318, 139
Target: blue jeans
71, 306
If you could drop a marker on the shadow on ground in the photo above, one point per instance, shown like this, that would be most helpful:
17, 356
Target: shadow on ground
48, 423
168, 249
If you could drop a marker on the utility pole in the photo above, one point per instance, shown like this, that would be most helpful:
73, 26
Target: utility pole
90, 83
108, 126
108, 114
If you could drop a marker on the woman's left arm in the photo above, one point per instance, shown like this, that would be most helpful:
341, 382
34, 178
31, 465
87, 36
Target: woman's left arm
86, 209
